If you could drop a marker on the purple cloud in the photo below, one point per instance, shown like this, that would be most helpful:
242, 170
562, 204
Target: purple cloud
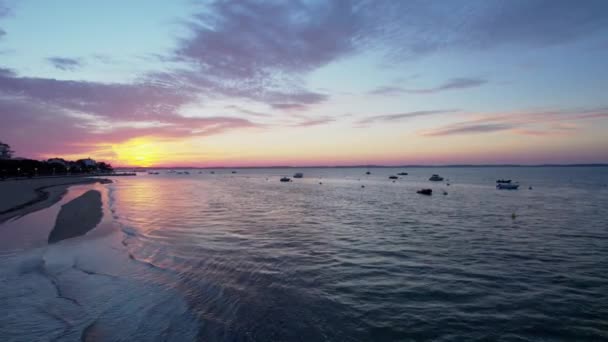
452, 84
238, 51
308, 122
409, 28
65, 112
403, 116
65, 64
387, 90
455, 83
470, 128
288, 106
527, 123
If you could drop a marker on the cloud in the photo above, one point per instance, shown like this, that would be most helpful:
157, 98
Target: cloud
65, 64
552, 122
41, 114
288, 106
387, 90
246, 111
237, 51
403, 116
409, 29
452, 84
308, 122
470, 128
455, 83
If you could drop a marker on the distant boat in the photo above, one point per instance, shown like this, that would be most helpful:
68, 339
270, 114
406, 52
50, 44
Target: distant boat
427, 192
285, 179
507, 186
212, 172
233, 171
436, 178
393, 177
186, 172
298, 175
503, 181
402, 174
368, 173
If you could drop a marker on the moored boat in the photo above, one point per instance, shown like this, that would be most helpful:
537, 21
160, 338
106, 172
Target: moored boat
436, 178
503, 181
298, 175
393, 177
285, 179
427, 192
402, 174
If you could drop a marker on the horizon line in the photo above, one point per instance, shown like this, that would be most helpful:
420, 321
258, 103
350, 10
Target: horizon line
367, 166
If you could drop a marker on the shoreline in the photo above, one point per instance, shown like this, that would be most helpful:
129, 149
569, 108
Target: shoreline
22, 197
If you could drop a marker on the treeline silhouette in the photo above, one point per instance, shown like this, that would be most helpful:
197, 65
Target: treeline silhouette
32, 168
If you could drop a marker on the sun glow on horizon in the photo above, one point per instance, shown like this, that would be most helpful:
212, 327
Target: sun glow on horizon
138, 152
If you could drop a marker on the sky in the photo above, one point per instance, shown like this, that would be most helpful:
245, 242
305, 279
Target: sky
305, 82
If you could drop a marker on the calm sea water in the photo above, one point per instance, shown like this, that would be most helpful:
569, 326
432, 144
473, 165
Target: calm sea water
243, 257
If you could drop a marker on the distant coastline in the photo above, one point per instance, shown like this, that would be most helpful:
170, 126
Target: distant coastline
357, 166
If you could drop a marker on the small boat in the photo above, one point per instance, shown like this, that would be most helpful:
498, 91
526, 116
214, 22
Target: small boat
298, 175
402, 174
285, 179
212, 172
186, 172
507, 186
436, 178
393, 177
368, 173
427, 192
233, 171
503, 181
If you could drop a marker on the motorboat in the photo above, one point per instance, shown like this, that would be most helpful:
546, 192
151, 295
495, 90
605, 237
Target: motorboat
212, 172
402, 174
436, 178
427, 192
393, 177
503, 181
233, 171
298, 175
507, 186
285, 179
368, 173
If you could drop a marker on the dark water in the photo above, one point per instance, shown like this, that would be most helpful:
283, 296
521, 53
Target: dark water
245, 257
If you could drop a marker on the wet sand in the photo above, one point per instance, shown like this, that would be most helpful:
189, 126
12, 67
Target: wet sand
78, 216
21, 197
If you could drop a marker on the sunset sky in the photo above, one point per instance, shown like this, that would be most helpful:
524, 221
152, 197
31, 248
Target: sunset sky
226, 83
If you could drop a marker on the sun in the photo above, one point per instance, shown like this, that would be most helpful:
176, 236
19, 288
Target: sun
137, 152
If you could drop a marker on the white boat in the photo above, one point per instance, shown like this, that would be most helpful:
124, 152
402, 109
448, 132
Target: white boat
507, 186
436, 178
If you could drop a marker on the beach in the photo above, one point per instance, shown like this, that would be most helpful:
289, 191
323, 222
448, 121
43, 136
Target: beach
65, 274
20, 197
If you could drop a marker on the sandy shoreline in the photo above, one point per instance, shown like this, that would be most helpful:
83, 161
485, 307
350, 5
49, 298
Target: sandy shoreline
21, 197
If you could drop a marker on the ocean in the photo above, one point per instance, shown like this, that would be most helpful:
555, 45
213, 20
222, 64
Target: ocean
337, 255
